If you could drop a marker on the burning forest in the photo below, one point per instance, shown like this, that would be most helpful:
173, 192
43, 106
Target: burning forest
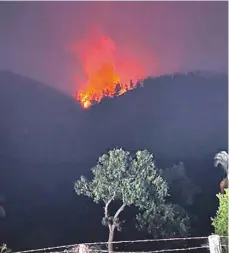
106, 74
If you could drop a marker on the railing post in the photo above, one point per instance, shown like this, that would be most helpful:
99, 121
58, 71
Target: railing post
214, 244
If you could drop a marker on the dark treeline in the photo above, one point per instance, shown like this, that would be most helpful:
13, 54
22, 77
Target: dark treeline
47, 141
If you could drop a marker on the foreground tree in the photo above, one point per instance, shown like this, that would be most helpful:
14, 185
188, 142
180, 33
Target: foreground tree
220, 222
132, 181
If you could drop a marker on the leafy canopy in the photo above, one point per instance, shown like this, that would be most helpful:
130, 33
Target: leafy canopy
220, 222
167, 220
134, 181
119, 176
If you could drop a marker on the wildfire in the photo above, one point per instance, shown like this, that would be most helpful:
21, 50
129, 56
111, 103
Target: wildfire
100, 65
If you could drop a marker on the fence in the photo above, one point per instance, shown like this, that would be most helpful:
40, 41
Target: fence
214, 245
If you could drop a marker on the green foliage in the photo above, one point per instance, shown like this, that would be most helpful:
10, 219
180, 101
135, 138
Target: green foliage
220, 222
168, 220
181, 187
134, 180
119, 176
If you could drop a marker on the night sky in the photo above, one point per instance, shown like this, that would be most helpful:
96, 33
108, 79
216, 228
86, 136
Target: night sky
36, 37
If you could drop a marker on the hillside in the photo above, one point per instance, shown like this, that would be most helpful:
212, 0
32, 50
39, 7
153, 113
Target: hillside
47, 141
184, 115
38, 123
187, 112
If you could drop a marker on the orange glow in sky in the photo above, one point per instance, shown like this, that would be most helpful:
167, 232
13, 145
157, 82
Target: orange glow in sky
106, 74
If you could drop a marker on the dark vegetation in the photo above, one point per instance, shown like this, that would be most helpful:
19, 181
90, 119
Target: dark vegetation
47, 141
132, 180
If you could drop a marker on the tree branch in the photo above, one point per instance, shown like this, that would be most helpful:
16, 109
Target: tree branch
119, 211
106, 215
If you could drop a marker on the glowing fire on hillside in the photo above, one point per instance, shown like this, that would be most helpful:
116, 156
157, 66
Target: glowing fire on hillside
106, 75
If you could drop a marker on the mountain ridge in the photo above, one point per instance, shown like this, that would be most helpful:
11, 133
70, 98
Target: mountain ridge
61, 116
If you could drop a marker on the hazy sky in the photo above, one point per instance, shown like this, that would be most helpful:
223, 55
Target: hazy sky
36, 37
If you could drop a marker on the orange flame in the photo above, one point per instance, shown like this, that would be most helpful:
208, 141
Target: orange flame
100, 66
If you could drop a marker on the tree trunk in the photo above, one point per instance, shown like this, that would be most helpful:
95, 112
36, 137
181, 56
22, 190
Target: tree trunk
111, 238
